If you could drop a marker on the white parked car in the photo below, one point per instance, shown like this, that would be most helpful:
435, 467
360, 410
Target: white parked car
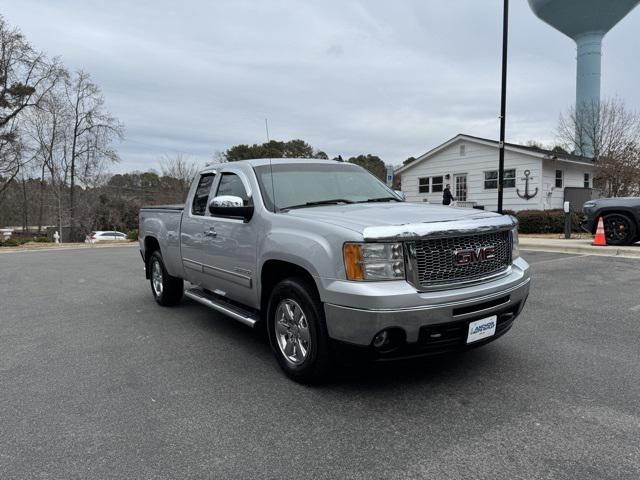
100, 236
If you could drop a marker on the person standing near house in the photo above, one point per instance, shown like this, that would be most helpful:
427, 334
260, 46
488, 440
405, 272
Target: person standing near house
447, 198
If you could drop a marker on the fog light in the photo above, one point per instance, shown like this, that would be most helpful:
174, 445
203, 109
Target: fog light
381, 339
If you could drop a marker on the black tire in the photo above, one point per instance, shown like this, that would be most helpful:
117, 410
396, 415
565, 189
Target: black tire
619, 229
314, 366
167, 290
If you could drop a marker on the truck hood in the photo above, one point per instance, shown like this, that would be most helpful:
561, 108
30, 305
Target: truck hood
401, 220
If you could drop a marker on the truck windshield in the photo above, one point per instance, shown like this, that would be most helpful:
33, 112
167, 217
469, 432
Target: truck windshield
310, 184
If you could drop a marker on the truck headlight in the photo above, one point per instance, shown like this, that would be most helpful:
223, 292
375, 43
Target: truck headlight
374, 261
515, 244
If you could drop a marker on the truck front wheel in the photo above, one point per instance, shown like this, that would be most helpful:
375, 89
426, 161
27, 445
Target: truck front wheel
167, 290
297, 331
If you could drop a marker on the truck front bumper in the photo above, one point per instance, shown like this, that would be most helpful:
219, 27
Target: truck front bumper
424, 322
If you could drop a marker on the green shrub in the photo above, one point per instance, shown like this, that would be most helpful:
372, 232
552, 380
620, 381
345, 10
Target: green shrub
545, 221
41, 239
132, 234
10, 242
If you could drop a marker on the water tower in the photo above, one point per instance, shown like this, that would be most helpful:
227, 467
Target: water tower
586, 22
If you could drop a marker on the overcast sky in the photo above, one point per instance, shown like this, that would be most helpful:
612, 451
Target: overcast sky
388, 78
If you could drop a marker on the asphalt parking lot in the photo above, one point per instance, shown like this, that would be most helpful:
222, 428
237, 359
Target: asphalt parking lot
97, 381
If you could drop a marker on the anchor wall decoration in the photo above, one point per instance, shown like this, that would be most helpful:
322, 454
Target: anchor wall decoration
527, 195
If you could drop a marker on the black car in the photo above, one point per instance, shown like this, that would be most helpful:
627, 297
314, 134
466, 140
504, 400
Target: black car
621, 219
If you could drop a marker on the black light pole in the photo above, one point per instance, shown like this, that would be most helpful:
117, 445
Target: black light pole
503, 101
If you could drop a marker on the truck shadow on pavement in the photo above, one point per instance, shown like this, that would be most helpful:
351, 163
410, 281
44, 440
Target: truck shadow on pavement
248, 349
433, 371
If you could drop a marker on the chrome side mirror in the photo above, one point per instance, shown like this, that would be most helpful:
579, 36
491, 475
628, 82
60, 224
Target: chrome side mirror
230, 206
226, 201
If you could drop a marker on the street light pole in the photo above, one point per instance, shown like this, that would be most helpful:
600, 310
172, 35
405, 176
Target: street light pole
503, 102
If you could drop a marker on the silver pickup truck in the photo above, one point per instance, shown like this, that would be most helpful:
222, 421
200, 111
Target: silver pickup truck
333, 263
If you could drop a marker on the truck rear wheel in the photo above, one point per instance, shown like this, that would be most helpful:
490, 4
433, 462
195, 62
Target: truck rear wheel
167, 290
297, 331
619, 229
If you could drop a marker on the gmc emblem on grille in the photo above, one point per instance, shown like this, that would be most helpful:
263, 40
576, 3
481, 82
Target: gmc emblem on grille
473, 256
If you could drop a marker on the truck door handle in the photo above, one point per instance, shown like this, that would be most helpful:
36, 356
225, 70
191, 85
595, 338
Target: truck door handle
211, 232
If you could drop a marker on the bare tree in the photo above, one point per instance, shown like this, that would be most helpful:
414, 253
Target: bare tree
26, 77
218, 157
56, 137
11, 157
46, 129
612, 133
179, 168
92, 131
535, 143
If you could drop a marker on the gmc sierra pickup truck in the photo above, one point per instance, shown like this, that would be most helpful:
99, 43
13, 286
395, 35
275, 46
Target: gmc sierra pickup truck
332, 261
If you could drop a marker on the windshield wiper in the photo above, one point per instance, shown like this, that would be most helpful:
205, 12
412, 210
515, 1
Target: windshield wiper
334, 201
381, 199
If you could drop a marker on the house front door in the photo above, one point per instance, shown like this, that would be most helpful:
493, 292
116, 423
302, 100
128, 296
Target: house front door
461, 187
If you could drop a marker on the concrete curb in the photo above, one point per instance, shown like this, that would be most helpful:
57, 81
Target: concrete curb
63, 246
579, 247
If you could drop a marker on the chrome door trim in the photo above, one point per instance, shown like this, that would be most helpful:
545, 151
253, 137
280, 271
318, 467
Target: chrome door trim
237, 275
227, 275
192, 265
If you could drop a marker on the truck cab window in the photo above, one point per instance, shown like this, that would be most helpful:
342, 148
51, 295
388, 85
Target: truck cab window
231, 184
199, 206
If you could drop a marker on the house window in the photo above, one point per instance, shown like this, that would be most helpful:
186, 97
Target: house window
587, 180
509, 180
463, 149
436, 184
423, 185
558, 178
491, 179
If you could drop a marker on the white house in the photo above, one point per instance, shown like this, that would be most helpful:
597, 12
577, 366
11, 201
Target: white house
535, 178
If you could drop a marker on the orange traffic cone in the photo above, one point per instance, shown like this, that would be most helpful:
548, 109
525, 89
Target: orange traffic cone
600, 240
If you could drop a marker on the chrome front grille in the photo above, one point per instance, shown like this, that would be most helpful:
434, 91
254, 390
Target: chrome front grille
434, 261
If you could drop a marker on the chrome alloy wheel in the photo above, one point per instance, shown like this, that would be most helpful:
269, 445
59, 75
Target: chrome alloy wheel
156, 277
292, 331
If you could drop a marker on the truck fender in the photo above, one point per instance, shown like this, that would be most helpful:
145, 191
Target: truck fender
304, 249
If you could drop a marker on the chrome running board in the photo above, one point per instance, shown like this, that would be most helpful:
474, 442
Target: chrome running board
222, 306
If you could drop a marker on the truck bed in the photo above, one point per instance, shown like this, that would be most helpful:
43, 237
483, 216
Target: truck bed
162, 222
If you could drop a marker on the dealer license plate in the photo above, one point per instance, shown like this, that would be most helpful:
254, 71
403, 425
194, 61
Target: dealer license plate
483, 328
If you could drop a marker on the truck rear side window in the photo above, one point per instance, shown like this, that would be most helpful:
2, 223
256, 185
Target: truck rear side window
201, 196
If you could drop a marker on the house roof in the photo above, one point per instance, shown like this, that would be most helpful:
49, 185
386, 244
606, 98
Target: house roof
527, 150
